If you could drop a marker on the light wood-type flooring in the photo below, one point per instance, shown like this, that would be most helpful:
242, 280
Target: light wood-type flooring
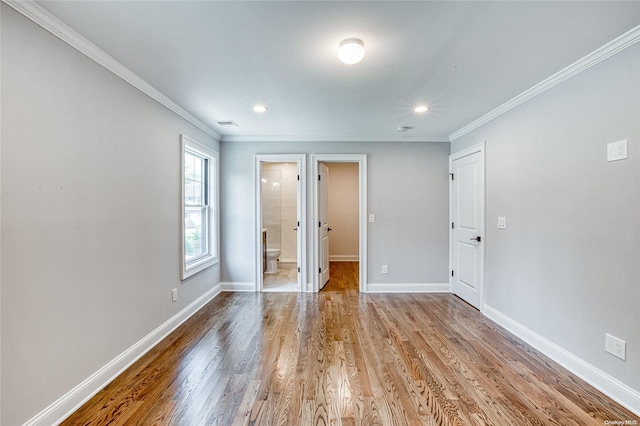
340, 357
284, 279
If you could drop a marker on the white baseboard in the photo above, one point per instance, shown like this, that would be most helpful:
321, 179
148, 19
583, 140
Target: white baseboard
408, 288
615, 389
72, 400
248, 286
344, 258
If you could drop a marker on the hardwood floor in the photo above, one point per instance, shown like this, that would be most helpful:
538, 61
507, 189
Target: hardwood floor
340, 357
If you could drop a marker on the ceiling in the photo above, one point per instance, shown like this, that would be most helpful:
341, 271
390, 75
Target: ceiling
216, 59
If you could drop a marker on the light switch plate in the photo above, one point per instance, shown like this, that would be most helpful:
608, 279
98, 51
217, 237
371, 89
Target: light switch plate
372, 217
502, 222
617, 150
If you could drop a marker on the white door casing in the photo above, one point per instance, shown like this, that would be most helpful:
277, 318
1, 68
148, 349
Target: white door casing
467, 223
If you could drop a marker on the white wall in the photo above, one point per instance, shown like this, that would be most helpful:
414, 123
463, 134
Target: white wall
567, 265
407, 190
343, 210
90, 217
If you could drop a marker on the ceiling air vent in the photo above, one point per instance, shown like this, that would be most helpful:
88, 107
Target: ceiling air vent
228, 123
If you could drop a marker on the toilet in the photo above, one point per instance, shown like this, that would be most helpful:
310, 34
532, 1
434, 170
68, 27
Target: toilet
272, 260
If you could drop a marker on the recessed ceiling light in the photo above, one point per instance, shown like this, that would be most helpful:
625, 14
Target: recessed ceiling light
421, 108
259, 108
351, 51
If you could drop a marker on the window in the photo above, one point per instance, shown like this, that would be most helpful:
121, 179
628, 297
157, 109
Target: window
199, 207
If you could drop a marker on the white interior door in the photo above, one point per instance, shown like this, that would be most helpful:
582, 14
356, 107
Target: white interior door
323, 223
467, 205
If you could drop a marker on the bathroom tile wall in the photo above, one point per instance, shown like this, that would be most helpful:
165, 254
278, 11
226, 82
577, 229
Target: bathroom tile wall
289, 215
271, 204
279, 208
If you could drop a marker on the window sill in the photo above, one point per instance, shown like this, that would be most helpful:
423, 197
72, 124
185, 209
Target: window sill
198, 266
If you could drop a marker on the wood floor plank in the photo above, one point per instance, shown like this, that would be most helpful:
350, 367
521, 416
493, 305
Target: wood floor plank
344, 358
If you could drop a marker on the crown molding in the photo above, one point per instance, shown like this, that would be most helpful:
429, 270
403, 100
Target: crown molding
332, 138
617, 45
49, 22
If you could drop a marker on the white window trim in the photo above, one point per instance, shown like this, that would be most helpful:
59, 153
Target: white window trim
191, 268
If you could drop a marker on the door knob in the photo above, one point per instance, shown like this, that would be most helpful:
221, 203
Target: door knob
478, 239
329, 229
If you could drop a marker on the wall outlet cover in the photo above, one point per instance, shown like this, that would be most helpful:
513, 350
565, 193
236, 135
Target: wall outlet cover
617, 150
615, 346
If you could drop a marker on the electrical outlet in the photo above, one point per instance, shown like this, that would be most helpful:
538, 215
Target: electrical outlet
385, 269
615, 346
617, 150
174, 294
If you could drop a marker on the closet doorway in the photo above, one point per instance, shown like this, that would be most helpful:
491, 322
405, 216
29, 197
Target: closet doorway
341, 231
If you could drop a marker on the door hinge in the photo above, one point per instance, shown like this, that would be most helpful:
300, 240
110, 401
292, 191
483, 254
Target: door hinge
452, 176
298, 269
452, 225
451, 273
318, 177
298, 224
319, 270
298, 177
319, 225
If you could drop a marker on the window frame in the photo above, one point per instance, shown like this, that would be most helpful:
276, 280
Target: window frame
210, 177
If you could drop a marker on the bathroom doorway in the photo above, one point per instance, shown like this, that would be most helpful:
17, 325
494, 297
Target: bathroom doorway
280, 242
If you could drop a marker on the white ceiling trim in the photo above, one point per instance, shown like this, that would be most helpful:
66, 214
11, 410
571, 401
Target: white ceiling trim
626, 40
320, 138
46, 20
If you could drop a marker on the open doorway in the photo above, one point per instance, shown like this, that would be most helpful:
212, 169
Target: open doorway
280, 235
340, 214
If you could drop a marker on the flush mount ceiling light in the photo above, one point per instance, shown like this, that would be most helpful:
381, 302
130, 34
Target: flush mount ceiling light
259, 108
421, 108
351, 51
